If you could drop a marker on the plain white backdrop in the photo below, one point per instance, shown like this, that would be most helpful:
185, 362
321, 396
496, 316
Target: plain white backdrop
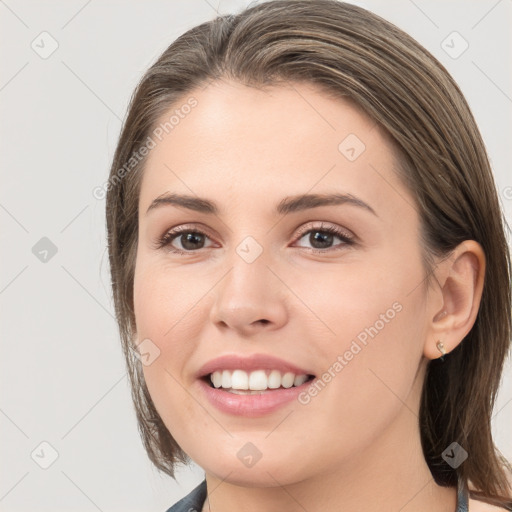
69, 438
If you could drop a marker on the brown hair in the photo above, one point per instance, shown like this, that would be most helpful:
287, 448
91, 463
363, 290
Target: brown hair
348, 52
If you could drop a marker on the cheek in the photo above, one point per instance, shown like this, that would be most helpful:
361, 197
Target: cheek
167, 303
171, 309
364, 300
372, 341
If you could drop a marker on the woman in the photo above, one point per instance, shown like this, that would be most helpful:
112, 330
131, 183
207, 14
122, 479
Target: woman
309, 268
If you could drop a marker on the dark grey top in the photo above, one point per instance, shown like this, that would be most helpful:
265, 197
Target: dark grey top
462, 497
194, 501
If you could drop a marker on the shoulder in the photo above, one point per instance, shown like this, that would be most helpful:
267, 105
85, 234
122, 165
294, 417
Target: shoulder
192, 502
481, 506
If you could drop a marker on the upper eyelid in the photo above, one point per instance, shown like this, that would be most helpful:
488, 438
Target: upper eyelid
308, 227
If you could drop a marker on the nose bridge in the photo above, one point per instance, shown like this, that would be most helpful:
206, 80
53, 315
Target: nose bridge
250, 294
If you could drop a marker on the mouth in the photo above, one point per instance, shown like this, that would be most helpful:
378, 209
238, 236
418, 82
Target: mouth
252, 385
257, 382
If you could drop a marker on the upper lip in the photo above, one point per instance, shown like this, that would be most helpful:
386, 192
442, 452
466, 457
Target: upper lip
249, 363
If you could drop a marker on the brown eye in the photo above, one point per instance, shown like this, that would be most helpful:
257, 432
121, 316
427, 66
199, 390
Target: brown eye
191, 241
183, 240
322, 238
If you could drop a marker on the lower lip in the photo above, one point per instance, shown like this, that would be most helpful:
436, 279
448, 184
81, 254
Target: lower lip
251, 405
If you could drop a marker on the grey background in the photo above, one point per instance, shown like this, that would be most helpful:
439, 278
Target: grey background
62, 376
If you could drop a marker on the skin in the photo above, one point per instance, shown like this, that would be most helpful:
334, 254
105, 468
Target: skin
356, 445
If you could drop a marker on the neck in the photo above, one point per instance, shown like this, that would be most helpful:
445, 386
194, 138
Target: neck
390, 474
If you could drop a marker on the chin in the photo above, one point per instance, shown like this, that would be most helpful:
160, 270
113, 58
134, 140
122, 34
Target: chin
271, 469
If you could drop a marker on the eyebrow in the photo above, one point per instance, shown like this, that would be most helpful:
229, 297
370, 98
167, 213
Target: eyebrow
287, 205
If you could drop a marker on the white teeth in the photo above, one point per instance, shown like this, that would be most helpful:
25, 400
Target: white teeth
300, 379
216, 378
274, 379
257, 380
243, 392
287, 380
240, 380
226, 379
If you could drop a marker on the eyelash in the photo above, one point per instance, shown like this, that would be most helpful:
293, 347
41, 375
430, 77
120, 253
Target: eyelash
170, 236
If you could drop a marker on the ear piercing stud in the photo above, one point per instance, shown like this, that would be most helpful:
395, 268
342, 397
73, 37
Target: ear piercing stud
441, 349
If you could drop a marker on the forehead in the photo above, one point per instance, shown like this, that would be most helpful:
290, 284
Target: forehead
242, 145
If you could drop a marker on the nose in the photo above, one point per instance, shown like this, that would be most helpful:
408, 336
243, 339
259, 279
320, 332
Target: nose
250, 298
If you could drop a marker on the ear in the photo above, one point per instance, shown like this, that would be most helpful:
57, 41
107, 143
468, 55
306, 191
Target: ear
454, 302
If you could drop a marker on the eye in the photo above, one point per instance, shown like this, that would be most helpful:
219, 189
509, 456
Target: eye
190, 240
322, 237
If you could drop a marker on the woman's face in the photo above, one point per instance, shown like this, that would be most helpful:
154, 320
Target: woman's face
260, 276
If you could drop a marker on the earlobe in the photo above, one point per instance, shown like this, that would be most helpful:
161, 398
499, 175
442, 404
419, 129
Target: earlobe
460, 291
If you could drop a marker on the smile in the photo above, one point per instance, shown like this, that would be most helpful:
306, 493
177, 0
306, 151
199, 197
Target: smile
254, 382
